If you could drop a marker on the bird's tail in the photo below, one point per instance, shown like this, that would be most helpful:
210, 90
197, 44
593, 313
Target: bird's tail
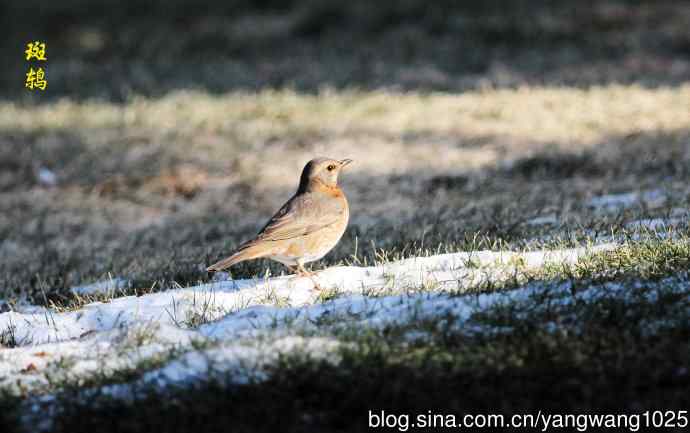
247, 253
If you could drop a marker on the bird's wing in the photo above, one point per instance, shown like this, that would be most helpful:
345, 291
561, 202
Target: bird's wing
301, 215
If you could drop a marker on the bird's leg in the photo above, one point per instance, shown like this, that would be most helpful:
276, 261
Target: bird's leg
305, 273
301, 271
296, 270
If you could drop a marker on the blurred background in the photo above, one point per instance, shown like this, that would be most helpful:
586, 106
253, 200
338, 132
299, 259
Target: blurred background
170, 131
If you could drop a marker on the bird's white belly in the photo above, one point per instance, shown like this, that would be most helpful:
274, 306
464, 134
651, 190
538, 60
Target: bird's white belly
292, 260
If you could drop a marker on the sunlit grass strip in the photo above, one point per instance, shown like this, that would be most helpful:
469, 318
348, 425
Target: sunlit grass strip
534, 113
646, 260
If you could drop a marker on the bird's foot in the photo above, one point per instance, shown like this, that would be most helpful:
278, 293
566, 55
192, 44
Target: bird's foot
300, 272
317, 287
305, 273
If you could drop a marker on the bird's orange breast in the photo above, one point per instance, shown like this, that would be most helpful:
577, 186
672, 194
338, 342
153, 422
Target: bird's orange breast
332, 191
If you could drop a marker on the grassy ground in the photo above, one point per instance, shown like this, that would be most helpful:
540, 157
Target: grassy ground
154, 190
173, 133
155, 183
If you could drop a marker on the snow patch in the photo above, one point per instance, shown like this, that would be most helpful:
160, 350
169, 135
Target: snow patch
101, 287
245, 322
47, 177
550, 219
613, 202
654, 224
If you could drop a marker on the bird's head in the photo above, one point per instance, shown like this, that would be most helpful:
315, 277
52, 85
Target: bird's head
321, 171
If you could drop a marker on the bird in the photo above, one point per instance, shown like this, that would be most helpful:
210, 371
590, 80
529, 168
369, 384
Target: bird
306, 227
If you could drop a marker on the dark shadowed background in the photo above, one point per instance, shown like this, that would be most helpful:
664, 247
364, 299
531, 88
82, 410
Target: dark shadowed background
115, 49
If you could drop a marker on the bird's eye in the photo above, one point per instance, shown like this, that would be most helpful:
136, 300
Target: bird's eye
331, 167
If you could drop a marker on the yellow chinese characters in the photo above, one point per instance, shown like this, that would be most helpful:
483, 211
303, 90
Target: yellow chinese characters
36, 50
36, 79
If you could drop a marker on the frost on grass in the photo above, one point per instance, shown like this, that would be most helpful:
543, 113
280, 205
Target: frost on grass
182, 333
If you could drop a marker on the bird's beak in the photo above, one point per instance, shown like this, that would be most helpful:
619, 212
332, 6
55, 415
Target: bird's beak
345, 162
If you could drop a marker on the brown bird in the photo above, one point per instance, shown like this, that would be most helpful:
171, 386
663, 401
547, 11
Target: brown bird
307, 227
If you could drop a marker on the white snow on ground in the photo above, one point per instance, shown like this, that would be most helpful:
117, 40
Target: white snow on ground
550, 219
240, 325
101, 287
47, 177
614, 202
655, 224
